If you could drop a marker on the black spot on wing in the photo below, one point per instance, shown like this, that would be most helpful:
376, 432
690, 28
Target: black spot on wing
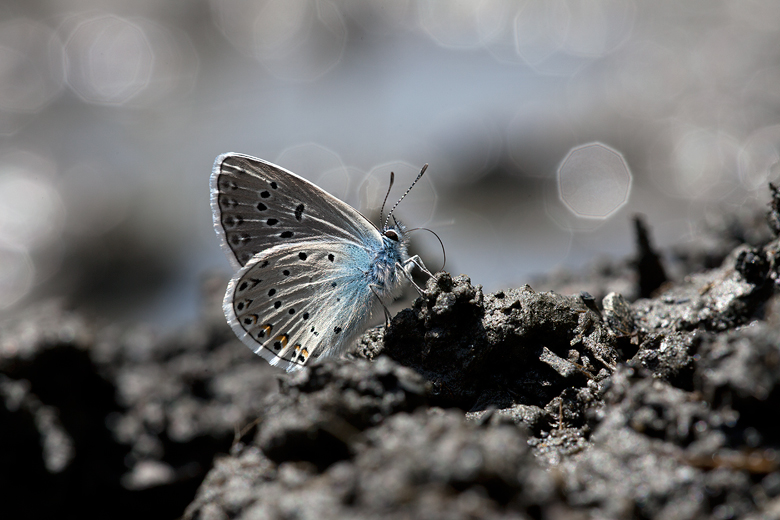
265, 330
226, 184
226, 202
232, 221
239, 238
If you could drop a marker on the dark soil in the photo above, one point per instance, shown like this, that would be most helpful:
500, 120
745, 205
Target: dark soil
649, 391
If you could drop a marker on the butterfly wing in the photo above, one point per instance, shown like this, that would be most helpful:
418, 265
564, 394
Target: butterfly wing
257, 205
295, 302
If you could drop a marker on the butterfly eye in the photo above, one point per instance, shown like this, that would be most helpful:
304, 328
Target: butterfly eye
391, 234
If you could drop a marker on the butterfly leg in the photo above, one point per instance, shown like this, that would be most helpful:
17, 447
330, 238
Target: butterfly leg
409, 276
384, 308
416, 260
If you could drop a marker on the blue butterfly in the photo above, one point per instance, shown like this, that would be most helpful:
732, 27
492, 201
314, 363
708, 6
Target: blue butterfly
311, 269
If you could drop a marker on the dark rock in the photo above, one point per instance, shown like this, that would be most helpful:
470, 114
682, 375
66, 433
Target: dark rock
753, 265
648, 262
557, 407
528, 416
773, 215
513, 346
429, 464
644, 459
618, 315
741, 370
719, 299
321, 409
111, 420
669, 356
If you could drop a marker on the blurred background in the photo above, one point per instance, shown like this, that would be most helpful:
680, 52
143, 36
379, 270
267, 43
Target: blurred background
547, 125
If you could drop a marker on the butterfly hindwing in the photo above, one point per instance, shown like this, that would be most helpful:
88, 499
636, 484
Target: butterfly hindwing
257, 205
300, 301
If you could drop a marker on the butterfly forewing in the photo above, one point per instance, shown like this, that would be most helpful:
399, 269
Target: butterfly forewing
299, 301
258, 205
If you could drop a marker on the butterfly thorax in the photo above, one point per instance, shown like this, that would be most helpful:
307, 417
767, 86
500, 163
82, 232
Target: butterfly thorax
385, 275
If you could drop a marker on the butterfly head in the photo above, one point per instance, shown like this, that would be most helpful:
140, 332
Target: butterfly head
395, 235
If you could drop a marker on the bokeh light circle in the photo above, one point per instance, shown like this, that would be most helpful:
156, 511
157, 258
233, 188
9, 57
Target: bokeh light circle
109, 59
759, 158
594, 181
30, 65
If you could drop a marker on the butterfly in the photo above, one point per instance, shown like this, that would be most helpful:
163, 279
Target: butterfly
311, 269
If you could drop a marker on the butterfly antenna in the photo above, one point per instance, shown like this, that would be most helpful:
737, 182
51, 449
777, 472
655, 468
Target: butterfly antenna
392, 179
443, 250
425, 167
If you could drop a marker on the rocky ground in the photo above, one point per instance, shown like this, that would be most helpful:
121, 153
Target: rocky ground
639, 389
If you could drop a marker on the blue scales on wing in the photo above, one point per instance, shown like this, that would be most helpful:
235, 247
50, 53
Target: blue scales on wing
300, 301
